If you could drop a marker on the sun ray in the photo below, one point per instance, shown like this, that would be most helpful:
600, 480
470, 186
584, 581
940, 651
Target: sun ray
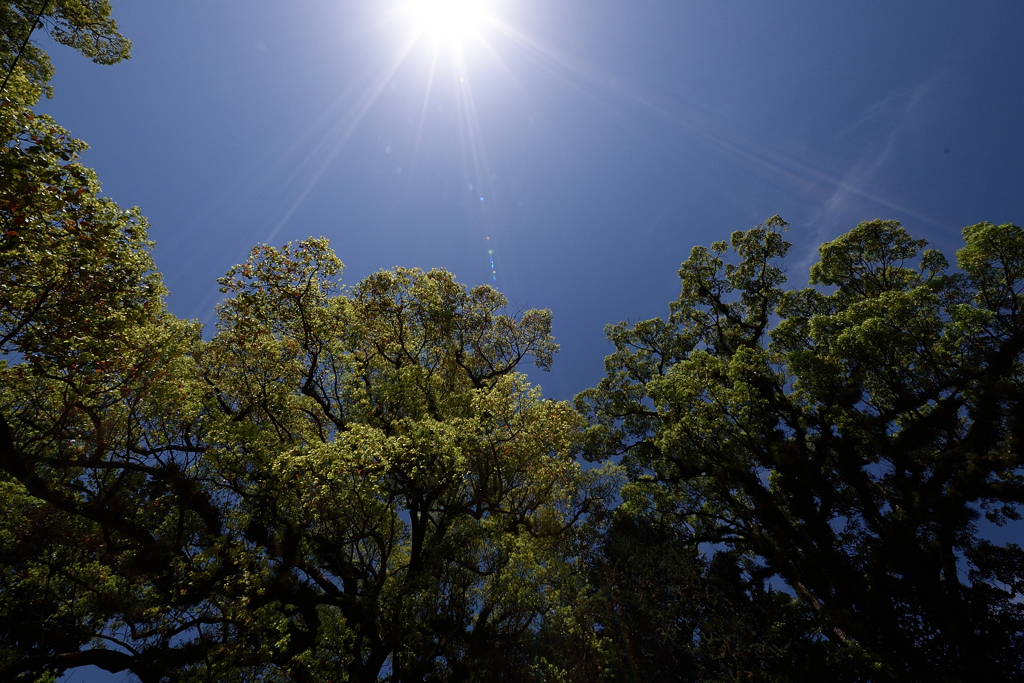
450, 33
780, 164
432, 73
475, 163
355, 116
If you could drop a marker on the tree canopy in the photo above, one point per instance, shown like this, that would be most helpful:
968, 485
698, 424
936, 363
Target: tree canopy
338, 479
84, 25
359, 483
845, 440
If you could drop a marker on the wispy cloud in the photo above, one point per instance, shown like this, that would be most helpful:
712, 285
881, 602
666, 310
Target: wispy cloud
887, 121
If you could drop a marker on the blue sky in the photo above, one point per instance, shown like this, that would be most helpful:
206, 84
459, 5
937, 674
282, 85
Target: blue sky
606, 138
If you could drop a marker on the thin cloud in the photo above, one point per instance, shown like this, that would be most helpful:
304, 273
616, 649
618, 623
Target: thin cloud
854, 188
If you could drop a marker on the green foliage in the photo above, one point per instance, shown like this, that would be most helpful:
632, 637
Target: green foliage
383, 446
89, 384
77, 273
846, 440
84, 25
339, 481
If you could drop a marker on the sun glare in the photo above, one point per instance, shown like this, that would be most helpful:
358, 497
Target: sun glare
447, 20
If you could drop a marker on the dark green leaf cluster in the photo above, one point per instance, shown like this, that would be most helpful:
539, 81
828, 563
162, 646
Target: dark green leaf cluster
847, 440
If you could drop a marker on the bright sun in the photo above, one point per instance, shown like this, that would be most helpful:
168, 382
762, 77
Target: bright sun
447, 20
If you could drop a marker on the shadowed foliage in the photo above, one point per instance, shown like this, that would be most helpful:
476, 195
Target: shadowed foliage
847, 438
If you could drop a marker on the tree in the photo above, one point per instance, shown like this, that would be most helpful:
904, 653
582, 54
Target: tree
91, 365
340, 485
87, 347
412, 491
846, 439
84, 25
